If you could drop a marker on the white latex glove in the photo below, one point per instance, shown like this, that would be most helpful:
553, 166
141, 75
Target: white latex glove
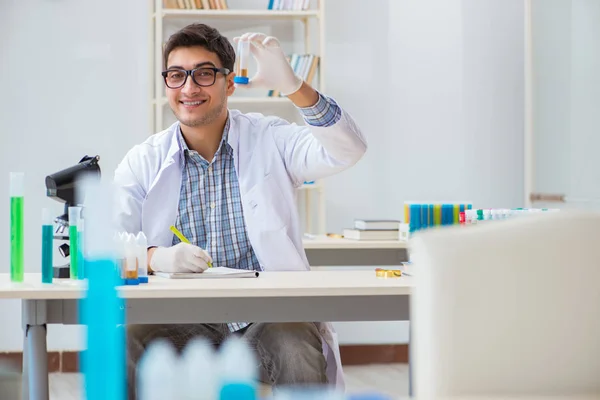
274, 70
182, 257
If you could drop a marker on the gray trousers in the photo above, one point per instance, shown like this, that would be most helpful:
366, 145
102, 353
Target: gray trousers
289, 353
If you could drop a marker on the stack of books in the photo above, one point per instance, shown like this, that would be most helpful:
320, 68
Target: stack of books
374, 230
196, 4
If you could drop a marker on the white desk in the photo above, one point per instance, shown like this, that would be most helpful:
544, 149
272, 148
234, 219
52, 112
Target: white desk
273, 297
325, 242
326, 251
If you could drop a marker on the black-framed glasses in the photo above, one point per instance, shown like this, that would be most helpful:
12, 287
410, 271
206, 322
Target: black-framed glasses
202, 76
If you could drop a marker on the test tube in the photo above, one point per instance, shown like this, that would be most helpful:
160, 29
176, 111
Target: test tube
17, 191
243, 53
415, 217
131, 261
74, 215
47, 241
430, 214
119, 252
142, 249
447, 214
479, 214
487, 214
423, 216
437, 214
473, 216
80, 247
455, 214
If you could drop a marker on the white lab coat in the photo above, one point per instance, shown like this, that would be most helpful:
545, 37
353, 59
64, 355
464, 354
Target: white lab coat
272, 158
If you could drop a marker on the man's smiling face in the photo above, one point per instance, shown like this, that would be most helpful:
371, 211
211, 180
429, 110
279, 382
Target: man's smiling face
192, 104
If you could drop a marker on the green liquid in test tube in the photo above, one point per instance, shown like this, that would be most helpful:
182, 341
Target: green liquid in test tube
80, 247
74, 214
17, 194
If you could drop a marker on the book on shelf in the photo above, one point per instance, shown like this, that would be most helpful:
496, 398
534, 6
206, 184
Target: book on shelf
304, 65
359, 234
289, 5
275, 5
376, 224
196, 4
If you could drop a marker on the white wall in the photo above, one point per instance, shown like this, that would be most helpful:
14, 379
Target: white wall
445, 120
357, 76
74, 78
566, 37
551, 31
436, 85
458, 92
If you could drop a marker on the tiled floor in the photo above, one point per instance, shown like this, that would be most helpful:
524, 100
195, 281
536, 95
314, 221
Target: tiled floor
390, 379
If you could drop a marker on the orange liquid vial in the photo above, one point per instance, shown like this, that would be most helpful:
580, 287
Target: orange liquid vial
131, 272
242, 56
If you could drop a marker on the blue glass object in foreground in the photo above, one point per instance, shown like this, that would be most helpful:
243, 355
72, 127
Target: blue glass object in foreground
80, 256
102, 311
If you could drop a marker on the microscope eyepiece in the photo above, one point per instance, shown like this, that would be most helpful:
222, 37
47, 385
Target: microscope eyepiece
62, 185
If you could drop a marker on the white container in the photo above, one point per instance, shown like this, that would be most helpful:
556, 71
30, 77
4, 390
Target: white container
142, 256
157, 372
131, 260
238, 370
197, 371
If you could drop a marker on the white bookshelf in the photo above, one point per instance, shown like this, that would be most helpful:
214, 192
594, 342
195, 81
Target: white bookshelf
262, 14
269, 105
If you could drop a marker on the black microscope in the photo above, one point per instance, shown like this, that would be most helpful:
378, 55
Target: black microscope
64, 186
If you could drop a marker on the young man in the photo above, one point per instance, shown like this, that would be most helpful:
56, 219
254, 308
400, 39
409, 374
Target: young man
228, 181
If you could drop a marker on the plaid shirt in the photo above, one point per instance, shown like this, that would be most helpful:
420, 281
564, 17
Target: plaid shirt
210, 209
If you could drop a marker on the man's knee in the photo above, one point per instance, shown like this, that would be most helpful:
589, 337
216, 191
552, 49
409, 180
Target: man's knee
138, 332
292, 353
286, 337
137, 337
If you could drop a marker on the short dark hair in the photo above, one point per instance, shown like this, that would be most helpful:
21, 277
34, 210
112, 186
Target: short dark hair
205, 36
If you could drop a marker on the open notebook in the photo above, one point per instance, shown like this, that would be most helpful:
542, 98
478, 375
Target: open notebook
210, 273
